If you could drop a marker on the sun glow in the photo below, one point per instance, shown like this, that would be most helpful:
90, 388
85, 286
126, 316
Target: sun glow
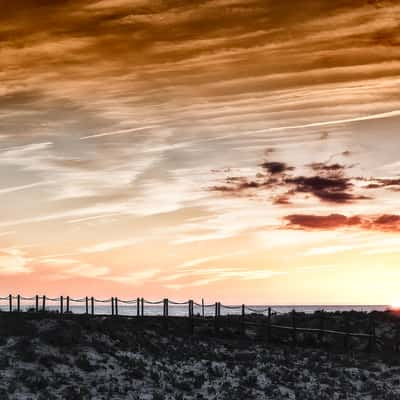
395, 305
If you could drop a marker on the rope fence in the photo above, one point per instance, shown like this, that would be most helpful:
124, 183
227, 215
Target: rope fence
140, 307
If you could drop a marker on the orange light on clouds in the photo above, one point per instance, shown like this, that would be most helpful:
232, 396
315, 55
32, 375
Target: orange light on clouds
242, 153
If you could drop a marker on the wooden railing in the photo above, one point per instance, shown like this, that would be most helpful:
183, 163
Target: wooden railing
39, 304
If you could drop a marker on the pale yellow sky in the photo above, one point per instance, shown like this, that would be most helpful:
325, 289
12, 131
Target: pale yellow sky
245, 151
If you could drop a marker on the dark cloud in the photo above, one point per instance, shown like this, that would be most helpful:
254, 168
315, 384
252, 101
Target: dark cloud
283, 199
269, 151
333, 189
326, 167
238, 186
328, 183
386, 222
383, 223
276, 167
332, 221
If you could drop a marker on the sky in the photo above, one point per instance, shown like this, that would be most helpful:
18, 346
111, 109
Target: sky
235, 150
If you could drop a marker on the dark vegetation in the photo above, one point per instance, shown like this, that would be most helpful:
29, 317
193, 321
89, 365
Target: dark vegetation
44, 356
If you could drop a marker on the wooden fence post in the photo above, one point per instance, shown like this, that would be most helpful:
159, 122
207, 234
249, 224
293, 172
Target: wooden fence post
202, 307
92, 304
67, 304
112, 305
191, 317
269, 324
61, 304
10, 302
116, 305
294, 325
242, 324
87, 304
44, 303
137, 307
164, 308
142, 306
165, 313
37, 303
18, 303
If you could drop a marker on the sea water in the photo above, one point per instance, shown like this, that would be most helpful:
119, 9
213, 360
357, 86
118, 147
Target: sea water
102, 308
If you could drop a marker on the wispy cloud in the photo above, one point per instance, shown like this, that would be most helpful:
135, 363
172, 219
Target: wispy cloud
389, 114
111, 245
24, 187
14, 262
200, 277
118, 132
202, 260
100, 145
7, 233
135, 278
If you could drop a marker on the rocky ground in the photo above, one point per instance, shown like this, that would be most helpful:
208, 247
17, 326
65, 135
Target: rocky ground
105, 358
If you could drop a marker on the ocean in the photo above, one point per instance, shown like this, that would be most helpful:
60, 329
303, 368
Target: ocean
130, 309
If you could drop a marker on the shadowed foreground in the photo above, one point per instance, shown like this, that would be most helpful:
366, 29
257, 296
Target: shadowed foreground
46, 357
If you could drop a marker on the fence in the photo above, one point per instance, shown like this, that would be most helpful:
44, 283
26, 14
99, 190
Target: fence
140, 308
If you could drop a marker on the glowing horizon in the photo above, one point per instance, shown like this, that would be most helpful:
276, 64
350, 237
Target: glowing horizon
241, 151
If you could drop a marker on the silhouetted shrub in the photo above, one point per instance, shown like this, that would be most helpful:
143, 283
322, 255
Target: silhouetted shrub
16, 325
84, 364
63, 335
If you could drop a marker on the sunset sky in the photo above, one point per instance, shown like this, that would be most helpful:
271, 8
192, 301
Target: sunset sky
239, 150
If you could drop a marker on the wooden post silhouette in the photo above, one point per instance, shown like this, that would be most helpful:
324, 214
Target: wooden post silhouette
61, 304
138, 307
165, 313
87, 304
19, 303
242, 322
216, 318
92, 304
142, 306
37, 303
112, 305
165, 308
67, 304
116, 305
191, 319
202, 307
44, 303
10, 302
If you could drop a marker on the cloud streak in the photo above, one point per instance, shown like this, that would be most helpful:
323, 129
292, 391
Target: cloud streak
118, 132
381, 223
